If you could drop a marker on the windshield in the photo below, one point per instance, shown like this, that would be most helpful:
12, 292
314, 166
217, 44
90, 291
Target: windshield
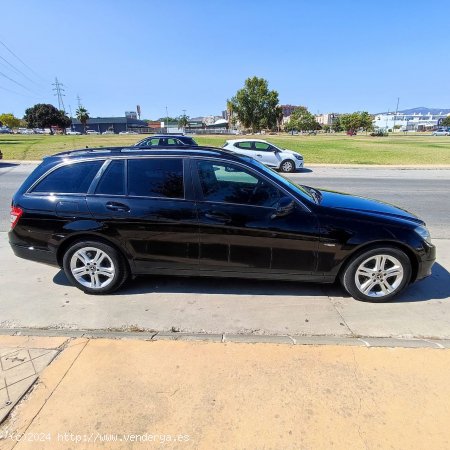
301, 190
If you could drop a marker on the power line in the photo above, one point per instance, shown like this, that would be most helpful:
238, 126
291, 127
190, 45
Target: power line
17, 70
59, 89
14, 81
25, 64
18, 93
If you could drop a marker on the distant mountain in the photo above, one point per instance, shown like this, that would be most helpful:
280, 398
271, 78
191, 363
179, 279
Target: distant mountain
422, 110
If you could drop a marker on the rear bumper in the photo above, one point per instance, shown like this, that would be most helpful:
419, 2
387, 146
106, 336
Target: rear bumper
35, 254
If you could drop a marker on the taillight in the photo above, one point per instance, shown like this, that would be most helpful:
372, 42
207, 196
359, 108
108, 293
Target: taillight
16, 214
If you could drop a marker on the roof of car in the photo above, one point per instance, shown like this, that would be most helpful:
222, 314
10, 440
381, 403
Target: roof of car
185, 150
248, 140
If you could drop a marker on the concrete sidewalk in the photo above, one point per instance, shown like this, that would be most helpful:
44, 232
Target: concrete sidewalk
194, 395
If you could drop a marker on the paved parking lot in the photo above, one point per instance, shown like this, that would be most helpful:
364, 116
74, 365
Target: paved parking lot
38, 296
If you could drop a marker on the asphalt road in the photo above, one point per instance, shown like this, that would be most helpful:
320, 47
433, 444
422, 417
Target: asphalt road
421, 191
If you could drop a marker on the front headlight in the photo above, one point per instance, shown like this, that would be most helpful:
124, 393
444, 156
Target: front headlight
299, 157
423, 233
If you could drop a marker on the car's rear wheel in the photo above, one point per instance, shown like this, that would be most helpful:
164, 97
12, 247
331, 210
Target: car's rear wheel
95, 267
377, 275
287, 166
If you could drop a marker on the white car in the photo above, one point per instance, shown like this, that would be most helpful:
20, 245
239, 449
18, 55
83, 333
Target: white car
441, 132
73, 132
108, 132
92, 132
267, 153
128, 132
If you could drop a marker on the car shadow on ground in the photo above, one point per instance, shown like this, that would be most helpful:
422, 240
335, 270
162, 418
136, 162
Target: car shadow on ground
7, 164
304, 170
435, 287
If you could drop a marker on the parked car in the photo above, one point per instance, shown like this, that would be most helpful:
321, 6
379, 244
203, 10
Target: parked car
73, 133
267, 153
25, 131
128, 132
92, 132
108, 132
5, 130
166, 140
441, 132
103, 216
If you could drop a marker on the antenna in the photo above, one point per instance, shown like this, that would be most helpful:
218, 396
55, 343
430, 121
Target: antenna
59, 89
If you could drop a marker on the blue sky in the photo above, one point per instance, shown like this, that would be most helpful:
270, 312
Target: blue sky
337, 56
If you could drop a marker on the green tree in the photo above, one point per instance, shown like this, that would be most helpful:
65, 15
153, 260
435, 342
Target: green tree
255, 106
302, 120
82, 115
336, 126
351, 122
183, 121
446, 122
365, 121
44, 115
9, 120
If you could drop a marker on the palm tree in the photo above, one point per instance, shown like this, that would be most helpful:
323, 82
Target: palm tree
183, 121
83, 116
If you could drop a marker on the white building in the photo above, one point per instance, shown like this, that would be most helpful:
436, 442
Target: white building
408, 122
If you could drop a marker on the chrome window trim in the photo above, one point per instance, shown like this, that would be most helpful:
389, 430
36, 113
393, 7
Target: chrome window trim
58, 166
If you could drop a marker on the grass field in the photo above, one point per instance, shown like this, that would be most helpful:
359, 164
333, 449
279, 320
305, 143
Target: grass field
333, 149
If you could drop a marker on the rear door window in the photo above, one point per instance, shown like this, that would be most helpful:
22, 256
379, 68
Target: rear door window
113, 180
156, 177
70, 179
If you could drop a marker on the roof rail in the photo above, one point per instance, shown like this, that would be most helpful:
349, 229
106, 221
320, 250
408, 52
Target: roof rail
98, 150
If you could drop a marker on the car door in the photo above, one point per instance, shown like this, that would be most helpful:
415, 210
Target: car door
144, 203
241, 232
266, 154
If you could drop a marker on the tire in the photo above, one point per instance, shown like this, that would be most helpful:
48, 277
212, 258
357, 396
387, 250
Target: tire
287, 166
364, 277
94, 267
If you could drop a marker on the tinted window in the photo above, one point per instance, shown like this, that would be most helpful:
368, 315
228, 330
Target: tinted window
244, 145
71, 179
113, 180
262, 146
156, 177
189, 141
227, 183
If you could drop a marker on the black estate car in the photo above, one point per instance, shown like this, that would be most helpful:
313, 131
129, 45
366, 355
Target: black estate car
106, 214
166, 140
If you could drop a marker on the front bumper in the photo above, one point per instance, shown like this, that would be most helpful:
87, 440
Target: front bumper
298, 163
426, 263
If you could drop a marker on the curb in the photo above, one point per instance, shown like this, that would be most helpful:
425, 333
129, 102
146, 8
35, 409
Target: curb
359, 341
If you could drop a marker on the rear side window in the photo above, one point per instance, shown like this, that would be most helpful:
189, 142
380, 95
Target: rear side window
244, 145
70, 179
113, 180
157, 177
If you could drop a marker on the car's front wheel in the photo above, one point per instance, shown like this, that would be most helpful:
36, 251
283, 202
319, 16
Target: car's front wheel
287, 166
377, 275
95, 267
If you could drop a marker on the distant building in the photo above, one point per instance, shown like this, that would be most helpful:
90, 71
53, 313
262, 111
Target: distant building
408, 122
130, 114
288, 109
116, 124
327, 119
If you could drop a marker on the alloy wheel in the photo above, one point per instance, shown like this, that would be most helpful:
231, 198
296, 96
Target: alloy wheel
92, 267
379, 275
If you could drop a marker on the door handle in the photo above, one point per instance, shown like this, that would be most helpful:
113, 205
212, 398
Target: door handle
259, 156
218, 217
114, 206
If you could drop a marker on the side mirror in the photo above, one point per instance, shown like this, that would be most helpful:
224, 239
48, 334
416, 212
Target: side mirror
285, 206
276, 150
